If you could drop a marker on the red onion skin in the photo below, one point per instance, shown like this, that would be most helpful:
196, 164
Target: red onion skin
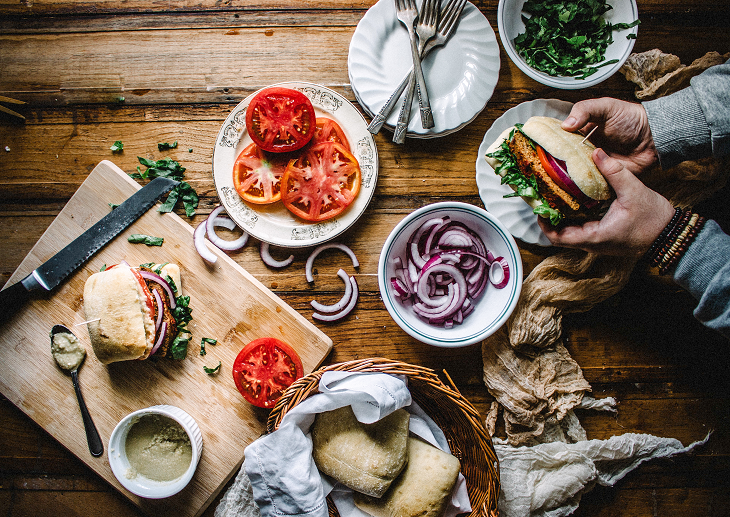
160, 338
165, 285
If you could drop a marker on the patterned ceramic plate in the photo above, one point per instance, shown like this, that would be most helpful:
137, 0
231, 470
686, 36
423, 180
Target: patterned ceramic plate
274, 223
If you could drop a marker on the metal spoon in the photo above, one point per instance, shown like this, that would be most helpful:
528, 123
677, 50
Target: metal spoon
70, 359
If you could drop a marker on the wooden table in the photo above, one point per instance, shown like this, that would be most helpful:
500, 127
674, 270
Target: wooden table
95, 72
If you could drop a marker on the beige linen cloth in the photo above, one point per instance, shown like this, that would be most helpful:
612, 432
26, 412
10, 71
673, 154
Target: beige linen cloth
546, 461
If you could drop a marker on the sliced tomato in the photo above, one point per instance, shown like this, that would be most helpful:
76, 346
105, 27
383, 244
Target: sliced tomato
280, 120
264, 369
321, 183
257, 175
328, 130
550, 170
146, 290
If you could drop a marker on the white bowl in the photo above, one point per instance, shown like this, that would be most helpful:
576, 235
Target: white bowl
141, 485
493, 307
510, 24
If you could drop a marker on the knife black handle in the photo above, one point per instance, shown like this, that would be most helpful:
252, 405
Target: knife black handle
11, 300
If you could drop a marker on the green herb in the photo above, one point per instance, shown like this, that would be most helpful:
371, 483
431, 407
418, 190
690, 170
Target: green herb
139, 238
168, 168
211, 371
523, 186
165, 146
205, 340
567, 39
117, 147
182, 312
103, 268
179, 347
113, 205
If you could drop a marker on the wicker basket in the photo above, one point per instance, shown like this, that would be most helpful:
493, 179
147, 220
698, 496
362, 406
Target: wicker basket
459, 420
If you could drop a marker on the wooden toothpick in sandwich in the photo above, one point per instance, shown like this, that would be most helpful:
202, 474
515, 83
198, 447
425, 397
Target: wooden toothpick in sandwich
589, 134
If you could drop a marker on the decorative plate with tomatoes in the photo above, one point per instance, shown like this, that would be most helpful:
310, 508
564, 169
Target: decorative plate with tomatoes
270, 146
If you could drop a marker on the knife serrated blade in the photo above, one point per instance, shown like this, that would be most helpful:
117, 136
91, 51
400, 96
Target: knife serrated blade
55, 270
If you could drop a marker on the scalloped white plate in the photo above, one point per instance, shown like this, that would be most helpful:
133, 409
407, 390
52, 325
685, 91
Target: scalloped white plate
461, 75
274, 223
515, 214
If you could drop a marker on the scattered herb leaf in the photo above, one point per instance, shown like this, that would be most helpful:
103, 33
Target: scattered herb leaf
567, 39
113, 205
169, 168
212, 371
207, 340
164, 146
117, 147
149, 240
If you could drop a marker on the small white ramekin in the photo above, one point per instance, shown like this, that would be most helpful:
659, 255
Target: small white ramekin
140, 485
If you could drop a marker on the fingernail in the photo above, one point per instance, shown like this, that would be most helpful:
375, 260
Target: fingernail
600, 155
570, 122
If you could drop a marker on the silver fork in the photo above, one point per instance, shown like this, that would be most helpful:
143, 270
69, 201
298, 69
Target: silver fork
448, 20
407, 13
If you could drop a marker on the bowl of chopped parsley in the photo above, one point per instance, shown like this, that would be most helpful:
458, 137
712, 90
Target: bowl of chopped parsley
571, 44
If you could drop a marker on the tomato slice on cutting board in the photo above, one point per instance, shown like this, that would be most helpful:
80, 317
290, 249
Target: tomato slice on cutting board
257, 175
280, 120
264, 369
321, 183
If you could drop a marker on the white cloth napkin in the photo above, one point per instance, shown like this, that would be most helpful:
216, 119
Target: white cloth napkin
284, 479
548, 480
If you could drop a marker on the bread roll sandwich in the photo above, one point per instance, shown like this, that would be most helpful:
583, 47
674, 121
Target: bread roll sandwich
136, 313
423, 489
551, 169
364, 457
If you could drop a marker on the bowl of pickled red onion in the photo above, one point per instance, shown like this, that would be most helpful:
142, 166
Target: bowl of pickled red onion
450, 274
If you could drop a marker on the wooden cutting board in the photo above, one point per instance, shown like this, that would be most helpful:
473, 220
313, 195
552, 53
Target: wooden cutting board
228, 304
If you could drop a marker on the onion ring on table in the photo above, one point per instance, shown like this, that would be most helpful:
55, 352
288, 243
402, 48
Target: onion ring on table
329, 309
200, 246
319, 249
216, 240
271, 261
346, 310
224, 222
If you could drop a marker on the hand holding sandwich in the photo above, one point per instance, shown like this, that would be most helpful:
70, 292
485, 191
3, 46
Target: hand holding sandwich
635, 219
622, 129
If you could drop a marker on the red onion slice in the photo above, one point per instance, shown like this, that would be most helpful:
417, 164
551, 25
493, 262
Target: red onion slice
200, 246
224, 222
216, 240
346, 310
271, 261
499, 272
148, 275
160, 337
319, 249
160, 308
328, 309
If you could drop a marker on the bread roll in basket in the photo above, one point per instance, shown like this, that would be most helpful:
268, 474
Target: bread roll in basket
460, 422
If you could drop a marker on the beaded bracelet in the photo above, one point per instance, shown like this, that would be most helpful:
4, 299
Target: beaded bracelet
676, 237
693, 231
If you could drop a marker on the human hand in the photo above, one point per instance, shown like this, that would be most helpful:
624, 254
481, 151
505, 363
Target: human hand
622, 129
634, 220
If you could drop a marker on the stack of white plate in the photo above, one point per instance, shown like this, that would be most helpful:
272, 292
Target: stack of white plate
460, 76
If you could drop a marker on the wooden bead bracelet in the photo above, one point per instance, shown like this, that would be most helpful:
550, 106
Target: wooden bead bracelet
672, 243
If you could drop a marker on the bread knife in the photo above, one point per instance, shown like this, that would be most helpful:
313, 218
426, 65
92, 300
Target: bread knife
55, 270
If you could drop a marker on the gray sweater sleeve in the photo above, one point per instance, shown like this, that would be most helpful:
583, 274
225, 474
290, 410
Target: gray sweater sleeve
694, 122
690, 124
